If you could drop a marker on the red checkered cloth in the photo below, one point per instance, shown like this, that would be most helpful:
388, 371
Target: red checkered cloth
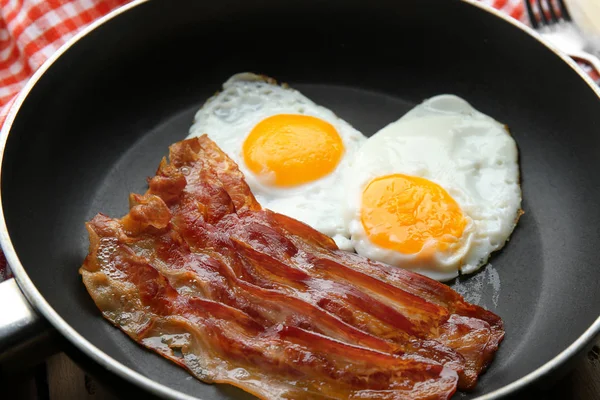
514, 8
31, 30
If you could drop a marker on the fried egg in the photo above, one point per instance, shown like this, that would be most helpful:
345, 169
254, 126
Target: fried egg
436, 191
293, 152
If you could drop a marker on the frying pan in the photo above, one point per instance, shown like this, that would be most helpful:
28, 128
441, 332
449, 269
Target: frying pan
94, 122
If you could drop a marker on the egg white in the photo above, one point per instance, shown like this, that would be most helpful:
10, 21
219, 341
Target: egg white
229, 117
472, 156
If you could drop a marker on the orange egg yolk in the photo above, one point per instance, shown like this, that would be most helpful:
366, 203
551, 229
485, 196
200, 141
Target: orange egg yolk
403, 213
294, 149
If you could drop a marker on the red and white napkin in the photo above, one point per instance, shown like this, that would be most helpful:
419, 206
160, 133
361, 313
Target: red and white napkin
514, 8
32, 30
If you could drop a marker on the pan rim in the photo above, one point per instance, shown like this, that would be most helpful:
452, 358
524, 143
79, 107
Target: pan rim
43, 307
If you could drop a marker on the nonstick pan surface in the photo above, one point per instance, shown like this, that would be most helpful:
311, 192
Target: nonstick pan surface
96, 120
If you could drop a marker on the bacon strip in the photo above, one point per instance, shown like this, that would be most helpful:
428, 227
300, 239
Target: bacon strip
200, 273
222, 344
304, 308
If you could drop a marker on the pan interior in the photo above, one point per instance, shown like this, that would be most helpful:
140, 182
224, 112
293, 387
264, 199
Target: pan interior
98, 122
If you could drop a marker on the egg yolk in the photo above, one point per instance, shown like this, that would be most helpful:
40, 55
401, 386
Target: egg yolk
295, 149
403, 213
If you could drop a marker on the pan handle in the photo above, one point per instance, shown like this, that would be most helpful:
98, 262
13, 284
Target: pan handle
26, 338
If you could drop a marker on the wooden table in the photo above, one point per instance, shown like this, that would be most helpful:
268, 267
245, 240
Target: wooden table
65, 380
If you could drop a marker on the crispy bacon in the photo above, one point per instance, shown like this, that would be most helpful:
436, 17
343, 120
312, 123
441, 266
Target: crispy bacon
198, 272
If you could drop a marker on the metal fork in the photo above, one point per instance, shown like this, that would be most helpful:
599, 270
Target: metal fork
554, 23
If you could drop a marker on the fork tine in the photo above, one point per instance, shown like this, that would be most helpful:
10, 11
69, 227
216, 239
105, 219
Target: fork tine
532, 17
563, 10
542, 12
554, 15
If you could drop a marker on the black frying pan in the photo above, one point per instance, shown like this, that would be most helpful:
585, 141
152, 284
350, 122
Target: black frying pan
95, 121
